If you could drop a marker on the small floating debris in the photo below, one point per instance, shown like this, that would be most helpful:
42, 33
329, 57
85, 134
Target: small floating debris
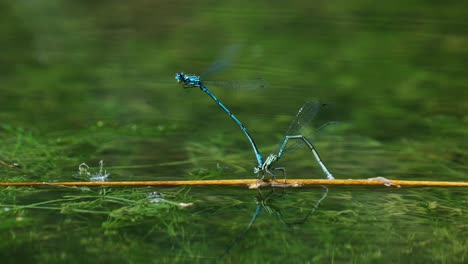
384, 181
85, 172
9, 164
262, 183
157, 197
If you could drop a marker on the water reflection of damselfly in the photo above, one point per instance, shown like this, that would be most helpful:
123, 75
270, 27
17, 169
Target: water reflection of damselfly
266, 202
305, 115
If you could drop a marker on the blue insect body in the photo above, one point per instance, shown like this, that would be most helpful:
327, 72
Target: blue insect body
194, 81
263, 167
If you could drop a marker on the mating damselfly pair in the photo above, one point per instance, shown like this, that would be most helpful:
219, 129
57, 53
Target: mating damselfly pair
305, 115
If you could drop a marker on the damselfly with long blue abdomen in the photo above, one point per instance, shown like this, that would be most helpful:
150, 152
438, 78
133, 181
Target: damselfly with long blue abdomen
308, 111
195, 81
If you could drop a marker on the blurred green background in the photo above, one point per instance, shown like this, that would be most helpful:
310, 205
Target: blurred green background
87, 81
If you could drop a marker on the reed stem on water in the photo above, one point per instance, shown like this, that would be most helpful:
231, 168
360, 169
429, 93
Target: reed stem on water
252, 183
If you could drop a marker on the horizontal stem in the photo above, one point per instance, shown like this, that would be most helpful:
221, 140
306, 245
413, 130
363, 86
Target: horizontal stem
253, 183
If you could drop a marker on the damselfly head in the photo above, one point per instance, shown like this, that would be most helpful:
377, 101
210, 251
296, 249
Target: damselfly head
257, 169
188, 81
180, 77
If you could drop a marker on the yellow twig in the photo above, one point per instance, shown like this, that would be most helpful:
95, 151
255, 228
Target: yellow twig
252, 183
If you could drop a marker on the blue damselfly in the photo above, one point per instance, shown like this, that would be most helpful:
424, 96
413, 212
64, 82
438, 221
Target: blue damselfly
305, 114
303, 118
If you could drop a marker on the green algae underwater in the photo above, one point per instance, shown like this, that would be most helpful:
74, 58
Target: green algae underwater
84, 82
